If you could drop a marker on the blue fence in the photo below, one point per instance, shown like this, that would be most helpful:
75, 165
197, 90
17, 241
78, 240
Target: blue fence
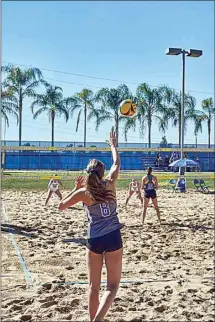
78, 160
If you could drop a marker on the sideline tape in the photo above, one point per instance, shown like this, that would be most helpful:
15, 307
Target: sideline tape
108, 149
25, 270
121, 176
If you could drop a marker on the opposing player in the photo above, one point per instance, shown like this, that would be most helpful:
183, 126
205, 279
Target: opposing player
53, 187
134, 187
149, 185
104, 237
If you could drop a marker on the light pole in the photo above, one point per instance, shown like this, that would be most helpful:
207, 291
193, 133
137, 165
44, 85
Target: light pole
190, 53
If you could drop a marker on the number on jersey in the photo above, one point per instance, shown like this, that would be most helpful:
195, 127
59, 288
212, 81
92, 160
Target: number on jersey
105, 209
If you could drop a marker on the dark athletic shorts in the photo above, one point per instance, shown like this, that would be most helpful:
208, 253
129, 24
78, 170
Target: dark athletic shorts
106, 243
150, 194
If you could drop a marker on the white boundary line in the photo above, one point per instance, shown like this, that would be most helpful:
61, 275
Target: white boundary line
21, 260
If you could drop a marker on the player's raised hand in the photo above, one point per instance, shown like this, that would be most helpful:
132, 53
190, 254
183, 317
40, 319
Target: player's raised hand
79, 182
112, 139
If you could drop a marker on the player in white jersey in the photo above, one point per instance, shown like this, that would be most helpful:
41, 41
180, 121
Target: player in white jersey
53, 187
134, 187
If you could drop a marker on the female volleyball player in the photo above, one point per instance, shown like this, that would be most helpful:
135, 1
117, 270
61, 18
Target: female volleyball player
134, 187
53, 187
104, 237
149, 184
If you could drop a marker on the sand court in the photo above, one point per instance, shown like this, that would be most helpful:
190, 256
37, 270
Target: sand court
167, 271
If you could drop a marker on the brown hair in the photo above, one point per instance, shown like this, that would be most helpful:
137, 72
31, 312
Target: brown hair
94, 184
149, 171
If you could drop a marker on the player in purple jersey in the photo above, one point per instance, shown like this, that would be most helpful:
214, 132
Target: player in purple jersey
104, 243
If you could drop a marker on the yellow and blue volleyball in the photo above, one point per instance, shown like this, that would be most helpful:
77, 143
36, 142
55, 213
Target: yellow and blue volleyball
128, 108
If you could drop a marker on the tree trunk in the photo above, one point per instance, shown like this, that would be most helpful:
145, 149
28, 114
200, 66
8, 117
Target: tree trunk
85, 124
209, 143
149, 130
209, 133
179, 129
5, 125
53, 118
117, 129
20, 120
179, 137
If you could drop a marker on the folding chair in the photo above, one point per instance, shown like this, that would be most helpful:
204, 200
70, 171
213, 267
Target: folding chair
172, 183
197, 185
180, 185
203, 186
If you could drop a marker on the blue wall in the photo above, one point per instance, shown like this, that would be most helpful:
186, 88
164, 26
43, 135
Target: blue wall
78, 160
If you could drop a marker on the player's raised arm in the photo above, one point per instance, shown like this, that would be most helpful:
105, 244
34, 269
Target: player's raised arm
114, 171
79, 183
76, 195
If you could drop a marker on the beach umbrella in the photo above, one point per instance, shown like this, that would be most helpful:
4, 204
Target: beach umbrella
183, 163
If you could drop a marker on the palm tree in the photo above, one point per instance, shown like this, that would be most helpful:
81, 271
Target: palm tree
9, 106
173, 112
53, 103
22, 84
207, 115
81, 101
109, 101
150, 103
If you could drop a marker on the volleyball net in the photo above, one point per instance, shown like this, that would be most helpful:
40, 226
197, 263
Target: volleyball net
76, 158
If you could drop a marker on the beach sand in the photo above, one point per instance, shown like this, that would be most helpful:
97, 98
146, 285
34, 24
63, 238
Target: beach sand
172, 264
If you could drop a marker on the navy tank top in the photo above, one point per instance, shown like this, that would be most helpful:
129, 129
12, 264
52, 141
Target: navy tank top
102, 218
149, 185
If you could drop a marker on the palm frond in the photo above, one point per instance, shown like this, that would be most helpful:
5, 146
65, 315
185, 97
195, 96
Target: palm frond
78, 120
162, 123
142, 127
130, 123
30, 89
71, 102
208, 107
101, 95
40, 111
10, 88
101, 119
60, 109
40, 101
93, 113
74, 109
5, 117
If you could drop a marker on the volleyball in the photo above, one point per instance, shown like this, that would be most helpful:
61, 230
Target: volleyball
128, 108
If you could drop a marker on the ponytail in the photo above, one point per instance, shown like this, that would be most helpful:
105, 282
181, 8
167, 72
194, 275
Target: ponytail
94, 184
149, 171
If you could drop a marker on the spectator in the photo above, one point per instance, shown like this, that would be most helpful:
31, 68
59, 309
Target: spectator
160, 162
157, 159
173, 157
166, 161
198, 167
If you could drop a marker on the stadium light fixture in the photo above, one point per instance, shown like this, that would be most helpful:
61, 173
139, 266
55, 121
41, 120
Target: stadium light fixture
191, 53
194, 53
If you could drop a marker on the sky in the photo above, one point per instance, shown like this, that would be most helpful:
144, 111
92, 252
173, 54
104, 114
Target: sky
115, 40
